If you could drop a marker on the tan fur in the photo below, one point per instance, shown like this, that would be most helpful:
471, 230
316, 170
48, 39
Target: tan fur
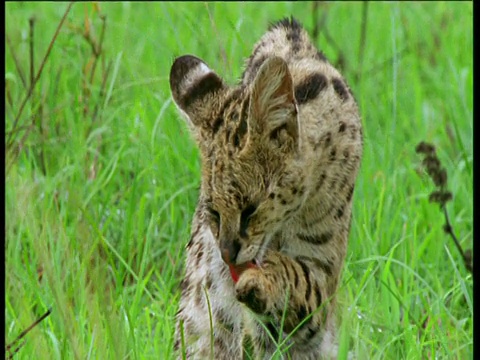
280, 154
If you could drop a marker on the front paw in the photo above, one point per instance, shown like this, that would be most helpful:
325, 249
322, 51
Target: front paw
252, 289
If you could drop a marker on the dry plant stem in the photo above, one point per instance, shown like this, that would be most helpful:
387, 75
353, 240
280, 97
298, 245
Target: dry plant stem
8, 95
27, 129
14, 351
379, 66
17, 63
361, 43
31, 22
102, 92
449, 230
27, 330
315, 29
222, 47
97, 49
40, 70
341, 58
36, 111
96, 53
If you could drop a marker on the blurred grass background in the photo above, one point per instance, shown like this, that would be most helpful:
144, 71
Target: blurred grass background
102, 176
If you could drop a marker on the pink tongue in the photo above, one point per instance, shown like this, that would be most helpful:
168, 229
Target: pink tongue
236, 271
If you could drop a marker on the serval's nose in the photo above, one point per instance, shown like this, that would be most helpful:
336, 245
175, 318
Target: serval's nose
229, 251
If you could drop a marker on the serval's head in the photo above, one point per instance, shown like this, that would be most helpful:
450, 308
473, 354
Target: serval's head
248, 138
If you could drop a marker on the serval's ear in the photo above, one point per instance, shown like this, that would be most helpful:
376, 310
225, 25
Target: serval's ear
273, 110
193, 85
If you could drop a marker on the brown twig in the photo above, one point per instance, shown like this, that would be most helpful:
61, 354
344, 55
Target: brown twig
466, 255
40, 70
25, 332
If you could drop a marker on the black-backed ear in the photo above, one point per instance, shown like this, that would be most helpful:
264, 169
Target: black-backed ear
273, 110
192, 83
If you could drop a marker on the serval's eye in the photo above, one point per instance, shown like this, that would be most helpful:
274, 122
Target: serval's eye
248, 212
245, 218
214, 215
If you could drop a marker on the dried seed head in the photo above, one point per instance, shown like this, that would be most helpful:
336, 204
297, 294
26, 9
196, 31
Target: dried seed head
431, 163
441, 178
425, 148
440, 196
435, 196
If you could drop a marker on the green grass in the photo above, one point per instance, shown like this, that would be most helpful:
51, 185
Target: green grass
100, 205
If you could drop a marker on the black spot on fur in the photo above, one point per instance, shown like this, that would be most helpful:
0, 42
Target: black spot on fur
295, 38
310, 88
316, 239
274, 135
240, 132
340, 88
325, 265
295, 279
342, 127
340, 212
253, 68
206, 85
222, 320
318, 296
199, 257
208, 282
220, 345
184, 284
216, 125
311, 332
320, 56
327, 140
198, 294
306, 275
245, 108
250, 298
272, 329
350, 193
293, 29
302, 312
321, 180
333, 154
288, 23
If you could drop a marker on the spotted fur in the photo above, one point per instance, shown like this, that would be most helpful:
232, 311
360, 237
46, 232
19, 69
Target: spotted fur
280, 153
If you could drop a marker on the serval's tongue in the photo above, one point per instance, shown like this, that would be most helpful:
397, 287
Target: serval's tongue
236, 271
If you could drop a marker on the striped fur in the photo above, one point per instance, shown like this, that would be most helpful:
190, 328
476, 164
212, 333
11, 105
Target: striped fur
280, 153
